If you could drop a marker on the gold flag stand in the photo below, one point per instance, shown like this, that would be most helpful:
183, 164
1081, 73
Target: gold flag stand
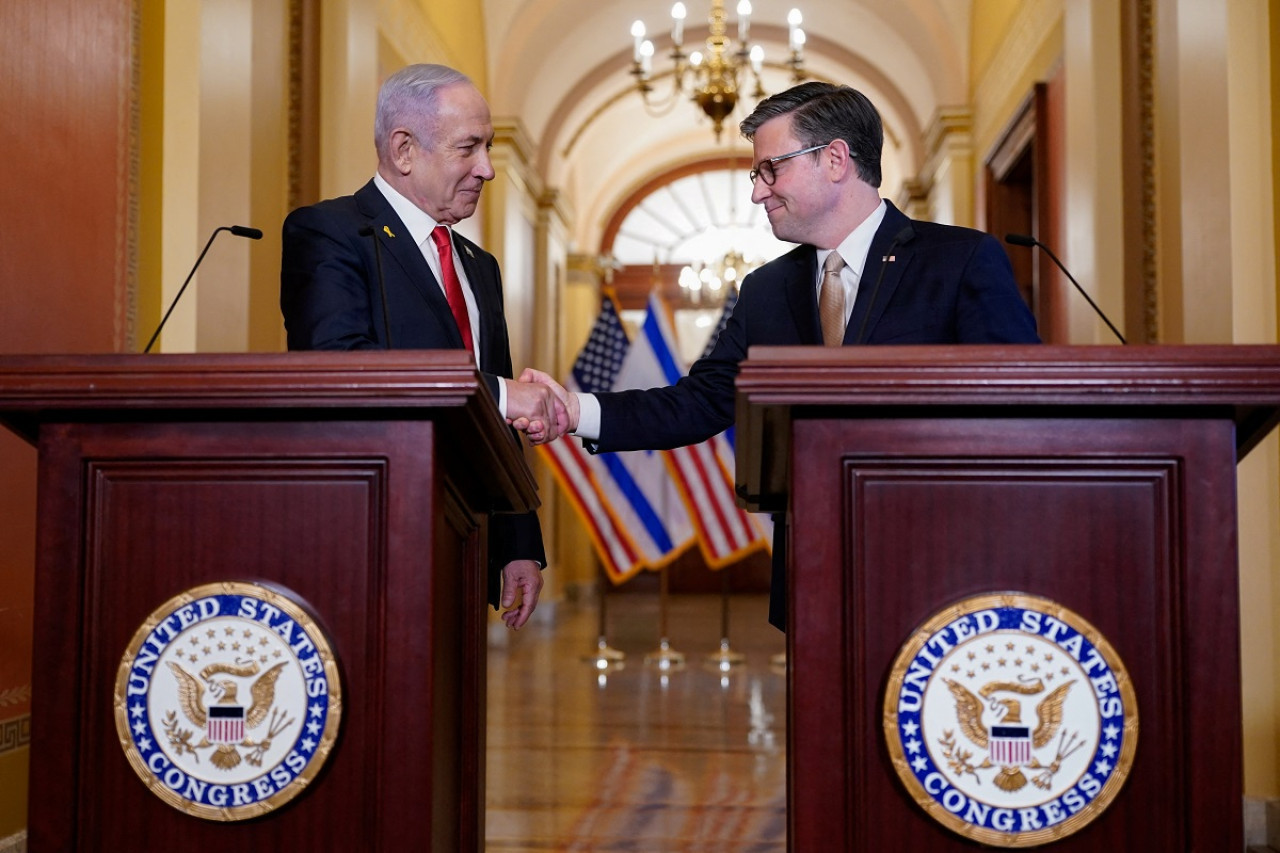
725, 658
605, 657
664, 658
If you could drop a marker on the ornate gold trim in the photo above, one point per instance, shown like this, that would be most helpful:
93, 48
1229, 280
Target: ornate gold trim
293, 121
1147, 123
129, 189
15, 733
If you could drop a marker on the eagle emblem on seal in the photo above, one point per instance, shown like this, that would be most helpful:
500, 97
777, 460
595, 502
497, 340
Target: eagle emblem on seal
1010, 743
225, 720
1010, 719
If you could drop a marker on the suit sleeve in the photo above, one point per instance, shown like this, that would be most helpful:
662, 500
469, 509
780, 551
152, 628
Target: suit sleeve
511, 537
326, 273
697, 407
329, 293
989, 307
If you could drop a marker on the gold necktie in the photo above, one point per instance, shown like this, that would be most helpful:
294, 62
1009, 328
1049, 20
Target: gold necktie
831, 301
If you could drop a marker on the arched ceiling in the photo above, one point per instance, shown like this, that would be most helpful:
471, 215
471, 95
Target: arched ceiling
562, 67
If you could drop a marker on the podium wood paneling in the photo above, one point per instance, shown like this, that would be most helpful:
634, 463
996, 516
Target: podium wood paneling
1101, 478
358, 482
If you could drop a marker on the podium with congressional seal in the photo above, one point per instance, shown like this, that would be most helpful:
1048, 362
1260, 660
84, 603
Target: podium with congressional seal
260, 598
1013, 596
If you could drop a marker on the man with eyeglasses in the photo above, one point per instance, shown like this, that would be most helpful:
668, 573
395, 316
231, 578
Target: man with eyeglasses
864, 273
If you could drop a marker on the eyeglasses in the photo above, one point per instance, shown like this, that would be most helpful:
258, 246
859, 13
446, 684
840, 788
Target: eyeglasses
766, 171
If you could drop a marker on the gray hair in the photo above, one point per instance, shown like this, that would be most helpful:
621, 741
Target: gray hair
408, 98
823, 112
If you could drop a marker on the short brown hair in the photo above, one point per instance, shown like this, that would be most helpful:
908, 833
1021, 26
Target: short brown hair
823, 112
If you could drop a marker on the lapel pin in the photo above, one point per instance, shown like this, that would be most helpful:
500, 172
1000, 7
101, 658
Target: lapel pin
888, 259
468, 251
387, 228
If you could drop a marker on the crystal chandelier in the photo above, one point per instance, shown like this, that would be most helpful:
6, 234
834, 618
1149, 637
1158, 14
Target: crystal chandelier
716, 78
709, 285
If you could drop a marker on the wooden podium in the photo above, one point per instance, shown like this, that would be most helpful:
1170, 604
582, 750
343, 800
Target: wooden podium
360, 483
1102, 478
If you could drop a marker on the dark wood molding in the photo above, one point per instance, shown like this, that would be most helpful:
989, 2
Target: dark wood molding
1101, 479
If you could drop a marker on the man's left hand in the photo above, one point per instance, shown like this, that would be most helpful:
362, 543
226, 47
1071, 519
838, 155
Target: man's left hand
521, 582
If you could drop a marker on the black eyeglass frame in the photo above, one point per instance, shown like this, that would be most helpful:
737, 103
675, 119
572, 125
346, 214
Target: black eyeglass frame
765, 168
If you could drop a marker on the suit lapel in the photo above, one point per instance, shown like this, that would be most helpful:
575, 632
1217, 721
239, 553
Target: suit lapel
802, 297
406, 267
487, 291
881, 275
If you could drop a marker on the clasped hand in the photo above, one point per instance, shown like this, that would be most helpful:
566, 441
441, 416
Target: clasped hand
541, 425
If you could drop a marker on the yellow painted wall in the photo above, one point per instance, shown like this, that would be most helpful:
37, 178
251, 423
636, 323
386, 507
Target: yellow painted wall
990, 21
14, 768
151, 162
460, 26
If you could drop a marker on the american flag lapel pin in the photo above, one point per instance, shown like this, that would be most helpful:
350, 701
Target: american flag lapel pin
888, 259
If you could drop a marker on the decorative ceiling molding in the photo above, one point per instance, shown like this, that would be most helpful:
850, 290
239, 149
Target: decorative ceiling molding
1002, 87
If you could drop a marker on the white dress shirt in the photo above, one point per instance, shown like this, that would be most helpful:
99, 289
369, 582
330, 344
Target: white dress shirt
420, 226
853, 249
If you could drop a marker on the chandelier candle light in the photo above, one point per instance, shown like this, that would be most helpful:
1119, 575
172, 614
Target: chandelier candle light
709, 284
718, 76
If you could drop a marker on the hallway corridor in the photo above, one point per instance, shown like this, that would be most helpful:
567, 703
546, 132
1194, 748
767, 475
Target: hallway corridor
692, 761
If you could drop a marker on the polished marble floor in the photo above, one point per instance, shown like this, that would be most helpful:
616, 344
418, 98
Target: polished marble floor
687, 760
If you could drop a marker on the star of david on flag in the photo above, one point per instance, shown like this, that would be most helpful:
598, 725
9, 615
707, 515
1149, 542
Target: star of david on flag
630, 506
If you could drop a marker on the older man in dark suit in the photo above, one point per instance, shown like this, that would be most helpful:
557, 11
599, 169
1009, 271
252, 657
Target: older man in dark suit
863, 274
393, 238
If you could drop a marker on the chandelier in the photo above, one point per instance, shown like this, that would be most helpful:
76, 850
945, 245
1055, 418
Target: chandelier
715, 79
709, 285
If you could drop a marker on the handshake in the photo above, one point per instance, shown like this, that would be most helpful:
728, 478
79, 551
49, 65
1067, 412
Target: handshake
540, 407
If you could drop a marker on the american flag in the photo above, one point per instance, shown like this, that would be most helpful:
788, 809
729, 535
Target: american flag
1010, 746
226, 724
724, 442
621, 497
725, 532
729, 301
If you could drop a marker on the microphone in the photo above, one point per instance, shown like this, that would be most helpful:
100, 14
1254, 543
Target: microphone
370, 231
906, 235
237, 230
1031, 242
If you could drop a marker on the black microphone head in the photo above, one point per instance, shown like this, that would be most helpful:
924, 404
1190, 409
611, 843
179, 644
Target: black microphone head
365, 231
244, 231
906, 235
1020, 239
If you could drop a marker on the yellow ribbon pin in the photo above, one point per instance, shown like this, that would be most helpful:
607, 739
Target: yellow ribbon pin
387, 228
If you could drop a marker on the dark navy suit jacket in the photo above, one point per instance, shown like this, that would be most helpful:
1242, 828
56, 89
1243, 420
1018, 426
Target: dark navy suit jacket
331, 300
945, 285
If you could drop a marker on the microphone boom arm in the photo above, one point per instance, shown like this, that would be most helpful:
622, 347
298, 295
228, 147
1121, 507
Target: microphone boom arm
182, 289
1023, 240
239, 231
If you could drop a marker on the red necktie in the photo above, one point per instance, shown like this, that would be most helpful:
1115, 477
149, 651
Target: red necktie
452, 286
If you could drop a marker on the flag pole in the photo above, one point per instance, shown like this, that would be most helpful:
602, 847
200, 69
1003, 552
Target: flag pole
664, 657
605, 657
725, 658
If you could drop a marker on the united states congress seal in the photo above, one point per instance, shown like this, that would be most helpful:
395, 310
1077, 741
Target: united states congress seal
228, 701
1010, 720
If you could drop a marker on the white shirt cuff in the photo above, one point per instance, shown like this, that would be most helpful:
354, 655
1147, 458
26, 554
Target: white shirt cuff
588, 417
502, 396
